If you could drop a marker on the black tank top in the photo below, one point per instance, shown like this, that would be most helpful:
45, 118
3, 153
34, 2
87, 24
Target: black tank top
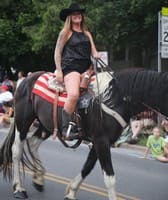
76, 53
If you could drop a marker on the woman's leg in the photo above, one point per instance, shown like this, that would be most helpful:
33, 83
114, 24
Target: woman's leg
72, 83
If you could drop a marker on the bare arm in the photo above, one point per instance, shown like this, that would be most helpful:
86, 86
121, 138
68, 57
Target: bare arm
57, 55
146, 152
95, 53
166, 149
58, 50
9, 113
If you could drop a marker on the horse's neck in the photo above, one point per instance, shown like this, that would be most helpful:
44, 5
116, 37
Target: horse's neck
153, 106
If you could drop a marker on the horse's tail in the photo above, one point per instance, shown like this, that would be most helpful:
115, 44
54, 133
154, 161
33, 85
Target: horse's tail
6, 153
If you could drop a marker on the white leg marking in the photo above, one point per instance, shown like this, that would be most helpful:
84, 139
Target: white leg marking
110, 185
39, 171
17, 150
73, 187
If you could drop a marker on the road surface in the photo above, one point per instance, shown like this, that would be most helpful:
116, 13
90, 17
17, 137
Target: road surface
136, 178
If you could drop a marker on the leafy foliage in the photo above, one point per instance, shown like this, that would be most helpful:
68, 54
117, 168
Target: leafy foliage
29, 28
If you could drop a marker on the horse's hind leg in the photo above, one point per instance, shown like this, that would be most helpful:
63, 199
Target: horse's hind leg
102, 147
34, 143
17, 151
23, 120
73, 187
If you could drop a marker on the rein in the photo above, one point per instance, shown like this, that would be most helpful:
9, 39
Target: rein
106, 109
74, 146
104, 66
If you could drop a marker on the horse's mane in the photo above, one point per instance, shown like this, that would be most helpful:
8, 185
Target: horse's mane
139, 85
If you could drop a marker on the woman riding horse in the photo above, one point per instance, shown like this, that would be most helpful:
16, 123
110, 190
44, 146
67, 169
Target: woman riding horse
72, 58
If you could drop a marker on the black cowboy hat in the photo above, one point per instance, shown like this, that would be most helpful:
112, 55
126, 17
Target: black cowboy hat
74, 7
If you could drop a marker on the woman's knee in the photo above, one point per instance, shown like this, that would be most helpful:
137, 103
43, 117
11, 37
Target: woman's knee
73, 96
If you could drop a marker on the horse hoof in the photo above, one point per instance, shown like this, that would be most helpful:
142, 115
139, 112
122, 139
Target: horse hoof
20, 195
38, 187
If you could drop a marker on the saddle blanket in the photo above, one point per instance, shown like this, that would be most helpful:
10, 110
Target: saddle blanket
41, 89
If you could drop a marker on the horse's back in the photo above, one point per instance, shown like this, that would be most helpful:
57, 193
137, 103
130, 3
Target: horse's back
26, 85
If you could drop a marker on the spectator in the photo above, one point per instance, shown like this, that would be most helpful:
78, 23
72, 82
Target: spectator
164, 125
142, 120
21, 77
5, 94
157, 145
9, 83
7, 116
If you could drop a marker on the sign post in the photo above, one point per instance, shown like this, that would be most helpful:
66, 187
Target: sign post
159, 43
164, 33
162, 36
162, 39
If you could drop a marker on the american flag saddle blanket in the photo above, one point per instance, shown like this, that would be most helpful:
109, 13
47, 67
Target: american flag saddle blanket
97, 86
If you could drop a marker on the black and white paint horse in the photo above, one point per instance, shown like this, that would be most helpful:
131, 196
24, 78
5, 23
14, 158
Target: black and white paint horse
121, 95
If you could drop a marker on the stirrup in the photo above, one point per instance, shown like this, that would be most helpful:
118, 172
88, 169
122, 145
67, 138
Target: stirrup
71, 132
70, 127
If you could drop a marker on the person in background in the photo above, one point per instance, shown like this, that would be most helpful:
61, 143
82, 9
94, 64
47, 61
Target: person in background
73, 50
5, 94
164, 124
9, 83
157, 145
143, 120
21, 77
7, 116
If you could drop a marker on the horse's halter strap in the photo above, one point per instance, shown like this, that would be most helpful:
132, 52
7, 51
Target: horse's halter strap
114, 114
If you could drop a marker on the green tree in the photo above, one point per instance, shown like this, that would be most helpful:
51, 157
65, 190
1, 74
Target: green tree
29, 29
127, 23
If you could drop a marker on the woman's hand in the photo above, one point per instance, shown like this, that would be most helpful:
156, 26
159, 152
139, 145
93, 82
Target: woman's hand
59, 76
96, 55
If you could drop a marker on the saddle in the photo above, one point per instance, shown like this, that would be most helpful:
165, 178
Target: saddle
53, 84
97, 85
49, 89
60, 88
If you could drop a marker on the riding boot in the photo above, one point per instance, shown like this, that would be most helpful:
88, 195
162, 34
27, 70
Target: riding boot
68, 127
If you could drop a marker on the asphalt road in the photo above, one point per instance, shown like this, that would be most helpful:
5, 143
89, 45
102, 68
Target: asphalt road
136, 178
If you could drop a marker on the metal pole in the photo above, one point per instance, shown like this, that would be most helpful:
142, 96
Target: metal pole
159, 43
159, 58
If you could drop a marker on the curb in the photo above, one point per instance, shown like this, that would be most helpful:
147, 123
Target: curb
133, 147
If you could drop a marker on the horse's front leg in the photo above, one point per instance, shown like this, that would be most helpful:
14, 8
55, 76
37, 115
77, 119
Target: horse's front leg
73, 187
17, 151
34, 143
102, 147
